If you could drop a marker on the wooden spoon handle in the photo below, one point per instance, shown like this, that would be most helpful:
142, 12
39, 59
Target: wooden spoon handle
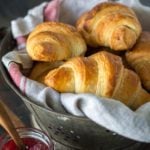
7, 124
14, 118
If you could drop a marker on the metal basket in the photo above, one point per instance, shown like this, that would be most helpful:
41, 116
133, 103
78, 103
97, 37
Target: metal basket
72, 131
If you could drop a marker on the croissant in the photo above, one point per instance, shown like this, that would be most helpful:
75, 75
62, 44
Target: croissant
51, 41
139, 59
102, 74
111, 25
40, 69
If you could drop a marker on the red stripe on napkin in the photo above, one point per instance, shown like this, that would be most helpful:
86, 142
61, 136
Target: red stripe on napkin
51, 11
18, 78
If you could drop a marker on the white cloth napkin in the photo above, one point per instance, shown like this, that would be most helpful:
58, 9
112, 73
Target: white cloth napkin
108, 113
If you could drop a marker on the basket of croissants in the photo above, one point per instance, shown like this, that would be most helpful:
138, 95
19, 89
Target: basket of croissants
106, 54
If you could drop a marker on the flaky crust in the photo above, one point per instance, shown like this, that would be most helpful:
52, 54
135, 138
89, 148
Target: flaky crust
40, 69
51, 41
139, 58
102, 74
110, 24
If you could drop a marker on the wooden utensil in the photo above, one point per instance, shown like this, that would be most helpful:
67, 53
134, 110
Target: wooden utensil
7, 124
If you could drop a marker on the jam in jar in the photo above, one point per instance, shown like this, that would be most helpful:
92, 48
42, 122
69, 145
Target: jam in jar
33, 139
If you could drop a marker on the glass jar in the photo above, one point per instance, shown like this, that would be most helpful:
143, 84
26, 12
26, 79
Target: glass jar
33, 139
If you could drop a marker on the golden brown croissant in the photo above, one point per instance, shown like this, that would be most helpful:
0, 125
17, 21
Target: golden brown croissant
40, 69
139, 59
51, 41
110, 24
102, 74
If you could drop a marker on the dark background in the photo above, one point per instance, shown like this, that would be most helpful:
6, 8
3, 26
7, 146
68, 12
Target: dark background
12, 9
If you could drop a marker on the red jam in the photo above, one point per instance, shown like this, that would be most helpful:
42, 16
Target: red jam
31, 144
